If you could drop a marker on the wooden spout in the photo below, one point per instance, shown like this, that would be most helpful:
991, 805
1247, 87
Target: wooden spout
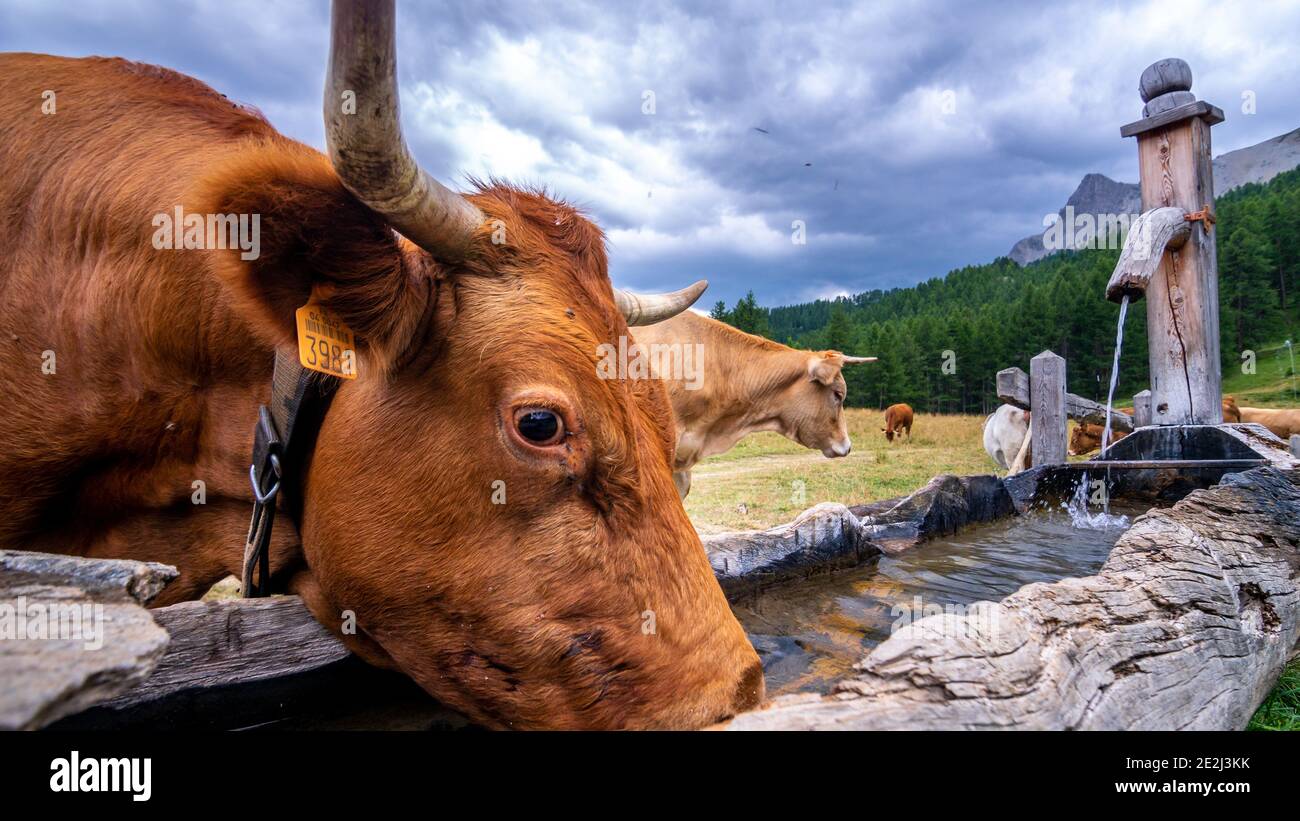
1153, 233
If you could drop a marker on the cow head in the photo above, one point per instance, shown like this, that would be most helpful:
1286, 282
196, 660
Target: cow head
813, 413
1085, 438
500, 521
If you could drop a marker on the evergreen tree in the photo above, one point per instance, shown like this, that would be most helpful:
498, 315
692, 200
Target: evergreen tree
749, 317
839, 331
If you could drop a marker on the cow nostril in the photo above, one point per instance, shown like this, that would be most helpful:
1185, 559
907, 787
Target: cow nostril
751, 689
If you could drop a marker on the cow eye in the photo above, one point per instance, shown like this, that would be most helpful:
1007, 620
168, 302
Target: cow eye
539, 426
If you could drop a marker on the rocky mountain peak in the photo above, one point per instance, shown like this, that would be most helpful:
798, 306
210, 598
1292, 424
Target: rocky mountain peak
1099, 194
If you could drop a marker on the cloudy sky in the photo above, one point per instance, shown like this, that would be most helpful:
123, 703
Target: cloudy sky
908, 137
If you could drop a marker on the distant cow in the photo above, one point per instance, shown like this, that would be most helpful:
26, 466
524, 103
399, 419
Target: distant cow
1005, 432
739, 384
1282, 421
1231, 413
1087, 437
898, 418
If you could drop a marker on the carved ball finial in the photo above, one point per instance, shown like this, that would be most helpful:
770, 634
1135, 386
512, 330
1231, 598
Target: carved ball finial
1170, 74
1166, 85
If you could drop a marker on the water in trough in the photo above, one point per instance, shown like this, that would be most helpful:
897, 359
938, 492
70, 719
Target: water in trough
810, 633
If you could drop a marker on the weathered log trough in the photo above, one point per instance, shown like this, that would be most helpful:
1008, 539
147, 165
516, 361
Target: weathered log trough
73, 633
239, 664
1188, 624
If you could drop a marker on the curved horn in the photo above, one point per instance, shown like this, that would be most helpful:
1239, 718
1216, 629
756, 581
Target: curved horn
647, 309
363, 132
855, 360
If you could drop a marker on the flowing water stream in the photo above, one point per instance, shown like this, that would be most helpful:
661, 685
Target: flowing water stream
1114, 374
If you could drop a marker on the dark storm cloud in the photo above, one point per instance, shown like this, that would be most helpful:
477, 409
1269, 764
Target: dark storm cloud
909, 138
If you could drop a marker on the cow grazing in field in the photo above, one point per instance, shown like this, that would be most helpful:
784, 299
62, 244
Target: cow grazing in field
1283, 422
1006, 432
743, 384
131, 373
898, 418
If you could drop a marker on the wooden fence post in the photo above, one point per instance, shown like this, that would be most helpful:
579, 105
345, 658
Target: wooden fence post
1174, 166
1142, 409
1047, 405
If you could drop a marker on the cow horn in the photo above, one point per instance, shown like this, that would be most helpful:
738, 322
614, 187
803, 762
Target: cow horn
857, 360
647, 309
363, 132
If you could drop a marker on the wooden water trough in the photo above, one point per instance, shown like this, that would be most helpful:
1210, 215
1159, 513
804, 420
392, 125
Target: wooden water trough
1186, 626
230, 664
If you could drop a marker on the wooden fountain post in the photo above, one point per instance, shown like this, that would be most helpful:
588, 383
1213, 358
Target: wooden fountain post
1174, 160
1047, 408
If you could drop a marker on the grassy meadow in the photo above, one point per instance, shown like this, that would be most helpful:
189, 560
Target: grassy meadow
1272, 385
767, 479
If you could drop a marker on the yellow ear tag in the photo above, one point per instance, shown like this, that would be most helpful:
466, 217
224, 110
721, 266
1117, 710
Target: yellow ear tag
325, 344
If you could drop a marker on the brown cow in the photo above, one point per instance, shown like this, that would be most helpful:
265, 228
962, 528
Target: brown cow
1231, 413
741, 384
1086, 437
131, 372
1283, 422
897, 419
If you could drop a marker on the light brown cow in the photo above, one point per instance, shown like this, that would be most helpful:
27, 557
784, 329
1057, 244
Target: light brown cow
130, 373
739, 384
898, 418
1283, 422
1231, 413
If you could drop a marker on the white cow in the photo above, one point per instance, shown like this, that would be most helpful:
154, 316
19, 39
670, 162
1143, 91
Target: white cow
1006, 437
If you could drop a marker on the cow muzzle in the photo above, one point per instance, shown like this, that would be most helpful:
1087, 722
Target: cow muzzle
837, 449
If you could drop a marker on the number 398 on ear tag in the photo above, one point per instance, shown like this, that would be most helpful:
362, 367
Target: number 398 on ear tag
325, 344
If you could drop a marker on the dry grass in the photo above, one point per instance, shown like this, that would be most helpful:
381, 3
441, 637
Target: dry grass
767, 479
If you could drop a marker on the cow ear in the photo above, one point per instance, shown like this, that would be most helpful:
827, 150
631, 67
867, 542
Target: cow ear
825, 366
313, 240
